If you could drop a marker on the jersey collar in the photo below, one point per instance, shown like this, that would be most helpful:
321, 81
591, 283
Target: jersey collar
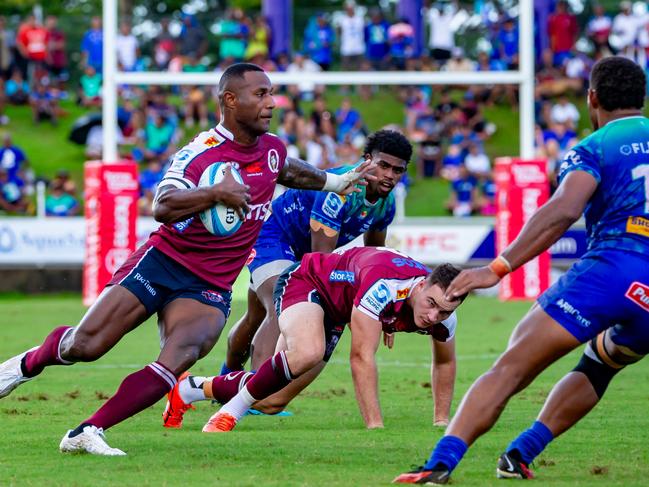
224, 132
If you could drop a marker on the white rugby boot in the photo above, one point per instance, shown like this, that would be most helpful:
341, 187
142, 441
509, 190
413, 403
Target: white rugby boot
91, 440
11, 375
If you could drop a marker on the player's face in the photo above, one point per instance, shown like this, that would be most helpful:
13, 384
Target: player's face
429, 305
388, 171
255, 103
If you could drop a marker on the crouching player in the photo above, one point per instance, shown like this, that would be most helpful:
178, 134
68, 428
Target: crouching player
375, 290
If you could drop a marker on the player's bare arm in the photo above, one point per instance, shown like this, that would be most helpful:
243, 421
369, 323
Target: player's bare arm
442, 372
301, 175
544, 228
375, 238
172, 204
366, 336
323, 238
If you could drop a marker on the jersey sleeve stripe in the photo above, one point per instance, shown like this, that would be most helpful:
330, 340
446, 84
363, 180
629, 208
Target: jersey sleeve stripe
179, 183
366, 311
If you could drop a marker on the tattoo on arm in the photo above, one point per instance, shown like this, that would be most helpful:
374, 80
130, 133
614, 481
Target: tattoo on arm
299, 174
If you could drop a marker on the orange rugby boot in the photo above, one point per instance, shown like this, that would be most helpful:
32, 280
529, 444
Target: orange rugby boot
172, 417
220, 423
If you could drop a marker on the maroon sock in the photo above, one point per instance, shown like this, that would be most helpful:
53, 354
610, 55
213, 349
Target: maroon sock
137, 392
45, 355
225, 387
272, 376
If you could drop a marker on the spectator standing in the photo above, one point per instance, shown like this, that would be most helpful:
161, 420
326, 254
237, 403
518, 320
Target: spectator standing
349, 123
60, 203
562, 30
56, 58
508, 43
233, 34
165, 47
352, 37
31, 43
625, 30
319, 38
7, 46
192, 39
127, 47
259, 39
304, 89
441, 40
599, 28
92, 46
401, 36
376, 40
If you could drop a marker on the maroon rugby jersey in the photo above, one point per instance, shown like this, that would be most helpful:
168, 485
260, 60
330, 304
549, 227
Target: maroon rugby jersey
377, 281
219, 260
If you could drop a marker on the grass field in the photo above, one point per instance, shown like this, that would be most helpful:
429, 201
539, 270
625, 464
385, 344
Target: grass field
325, 442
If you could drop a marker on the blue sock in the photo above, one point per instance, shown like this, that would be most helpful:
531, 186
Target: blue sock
448, 451
225, 369
530, 443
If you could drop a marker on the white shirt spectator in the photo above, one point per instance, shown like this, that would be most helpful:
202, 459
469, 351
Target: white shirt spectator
304, 65
352, 35
625, 30
565, 113
575, 68
477, 163
126, 51
598, 25
441, 34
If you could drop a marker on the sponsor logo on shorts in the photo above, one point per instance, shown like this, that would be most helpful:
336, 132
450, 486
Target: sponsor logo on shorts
145, 282
569, 309
639, 294
273, 160
341, 276
213, 296
638, 225
332, 205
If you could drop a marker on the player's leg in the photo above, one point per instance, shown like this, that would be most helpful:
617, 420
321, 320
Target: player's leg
241, 335
302, 327
481, 406
265, 339
116, 312
572, 398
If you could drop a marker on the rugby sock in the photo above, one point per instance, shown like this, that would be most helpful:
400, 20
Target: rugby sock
447, 454
225, 369
191, 389
225, 387
272, 376
531, 442
137, 392
47, 354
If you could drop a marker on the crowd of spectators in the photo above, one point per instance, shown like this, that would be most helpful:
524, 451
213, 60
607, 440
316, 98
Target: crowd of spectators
448, 127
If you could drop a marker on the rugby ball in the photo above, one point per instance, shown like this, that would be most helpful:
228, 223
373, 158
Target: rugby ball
220, 220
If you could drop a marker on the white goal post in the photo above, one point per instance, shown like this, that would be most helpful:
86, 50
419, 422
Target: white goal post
524, 78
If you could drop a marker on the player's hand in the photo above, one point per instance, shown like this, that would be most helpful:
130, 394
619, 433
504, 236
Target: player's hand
468, 280
388, 340
360, 175
233, 194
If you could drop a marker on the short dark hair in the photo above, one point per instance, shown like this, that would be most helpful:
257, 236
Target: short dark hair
619, 83
391, 142
237, 70
443, 275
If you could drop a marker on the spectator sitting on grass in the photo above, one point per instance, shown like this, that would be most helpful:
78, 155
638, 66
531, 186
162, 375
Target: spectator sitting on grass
348, 121
60, 203
90, 95
12, 196
17, 89
44, 104
477, 162
149, 180
156, 137
464, 197
451, 163
62, 179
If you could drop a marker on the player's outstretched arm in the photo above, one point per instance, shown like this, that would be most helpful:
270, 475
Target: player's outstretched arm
301, 175
544, 228
442, 377
366, 335
172, 204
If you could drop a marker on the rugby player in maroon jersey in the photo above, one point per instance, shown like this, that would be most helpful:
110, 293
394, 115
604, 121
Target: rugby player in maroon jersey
375, 290
183, 273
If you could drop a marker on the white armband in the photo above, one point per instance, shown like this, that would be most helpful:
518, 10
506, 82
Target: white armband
339, 182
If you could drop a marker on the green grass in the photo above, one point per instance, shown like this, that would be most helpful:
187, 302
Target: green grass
325, 442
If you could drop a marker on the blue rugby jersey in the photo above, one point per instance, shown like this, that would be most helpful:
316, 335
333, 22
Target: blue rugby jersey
350, 215
617, 156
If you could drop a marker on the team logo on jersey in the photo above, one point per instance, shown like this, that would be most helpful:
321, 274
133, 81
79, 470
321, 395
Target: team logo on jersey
332, 205
341, 276
213, 296
402, 293
638, 225
363, 214
376, 298
181, 160
639, 294
212, 141
273, 160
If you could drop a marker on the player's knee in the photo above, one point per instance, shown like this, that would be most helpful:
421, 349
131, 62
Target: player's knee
304, 360
598, 373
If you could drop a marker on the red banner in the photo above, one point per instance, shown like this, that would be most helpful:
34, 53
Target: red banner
521, 188
111, 194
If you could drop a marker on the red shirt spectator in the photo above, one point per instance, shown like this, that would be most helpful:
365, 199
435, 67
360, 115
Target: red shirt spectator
562, 29
55, 44
32, 40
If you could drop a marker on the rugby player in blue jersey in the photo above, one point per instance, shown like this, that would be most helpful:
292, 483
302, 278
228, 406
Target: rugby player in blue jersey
603, 300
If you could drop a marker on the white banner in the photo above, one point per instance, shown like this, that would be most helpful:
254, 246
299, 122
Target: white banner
60, 241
